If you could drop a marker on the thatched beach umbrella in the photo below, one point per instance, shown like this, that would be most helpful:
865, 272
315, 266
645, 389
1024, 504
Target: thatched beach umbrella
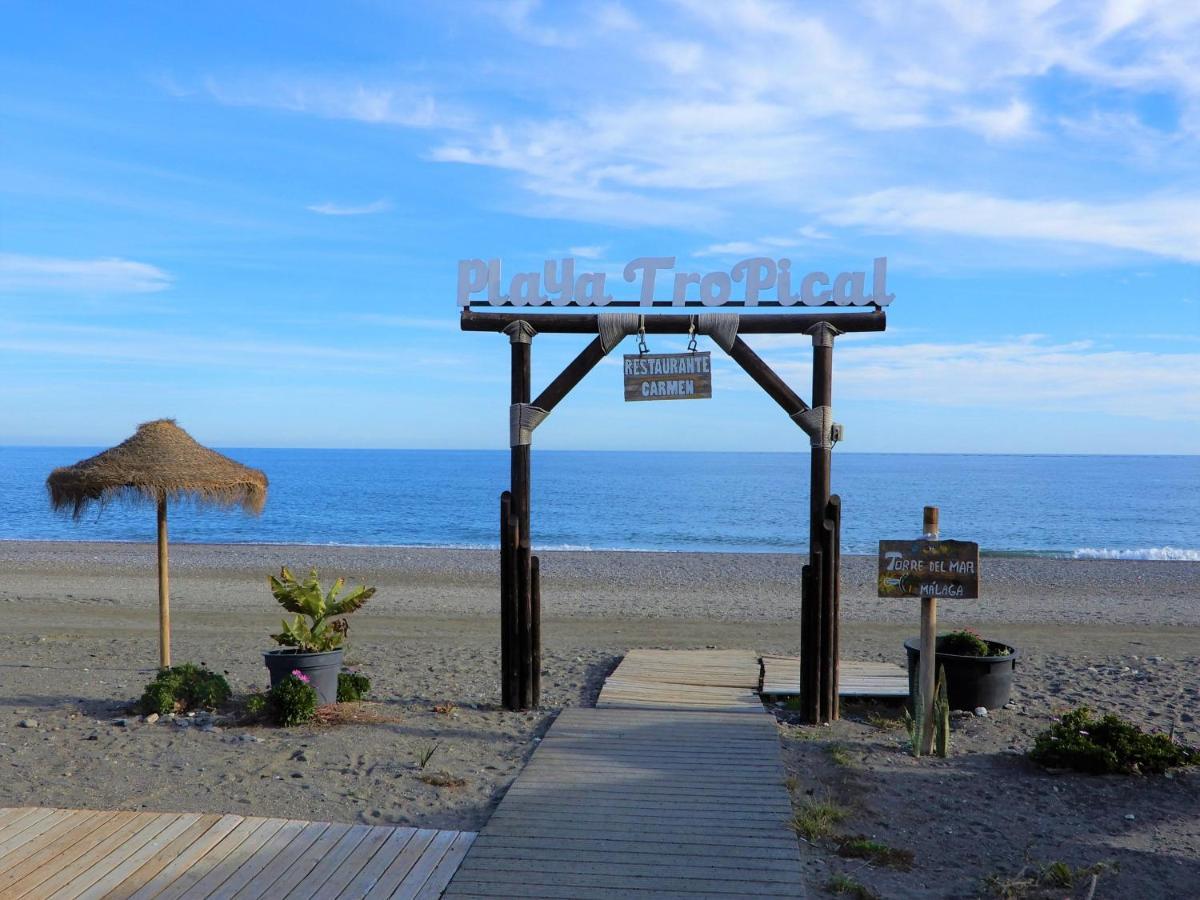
160, 462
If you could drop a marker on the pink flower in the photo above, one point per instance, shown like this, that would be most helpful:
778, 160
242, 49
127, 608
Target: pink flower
296, 673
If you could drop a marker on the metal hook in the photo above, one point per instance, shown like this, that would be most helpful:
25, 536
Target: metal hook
642, 348
692, 334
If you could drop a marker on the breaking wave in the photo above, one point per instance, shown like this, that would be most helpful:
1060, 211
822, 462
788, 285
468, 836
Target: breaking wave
1175, 554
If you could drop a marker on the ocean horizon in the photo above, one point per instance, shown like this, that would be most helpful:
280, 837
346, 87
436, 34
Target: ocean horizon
1050, 505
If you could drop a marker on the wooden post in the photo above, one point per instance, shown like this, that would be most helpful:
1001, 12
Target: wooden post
164, 588
508, 693
928, 673
822, 677
522, 339
535, 596
831, 588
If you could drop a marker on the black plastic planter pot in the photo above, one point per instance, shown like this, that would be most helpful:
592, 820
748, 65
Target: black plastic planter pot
971, 681
320, 668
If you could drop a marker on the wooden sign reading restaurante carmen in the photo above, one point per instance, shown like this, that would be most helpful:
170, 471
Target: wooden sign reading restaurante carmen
922, 568
768, 282
668, 376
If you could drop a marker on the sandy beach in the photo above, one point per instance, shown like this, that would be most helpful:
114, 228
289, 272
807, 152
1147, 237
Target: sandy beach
1116, 635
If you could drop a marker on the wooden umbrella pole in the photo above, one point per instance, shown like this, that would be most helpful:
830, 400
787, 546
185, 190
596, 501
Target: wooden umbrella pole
164, 588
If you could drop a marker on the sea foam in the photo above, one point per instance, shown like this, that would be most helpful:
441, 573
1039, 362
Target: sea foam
1174, 554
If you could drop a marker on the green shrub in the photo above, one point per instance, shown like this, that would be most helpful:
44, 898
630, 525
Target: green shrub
964, 643
352, 687
255, 706
1108, 745
291, 702
317, 626
184, 687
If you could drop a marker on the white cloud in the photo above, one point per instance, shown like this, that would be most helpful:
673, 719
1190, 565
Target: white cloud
79, 276
337, 209
1163, 226
402, 105
589, 251
1030, 372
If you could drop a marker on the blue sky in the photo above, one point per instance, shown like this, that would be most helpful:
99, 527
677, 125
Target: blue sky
248, 217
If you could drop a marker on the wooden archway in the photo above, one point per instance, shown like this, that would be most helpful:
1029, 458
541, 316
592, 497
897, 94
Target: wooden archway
520, 592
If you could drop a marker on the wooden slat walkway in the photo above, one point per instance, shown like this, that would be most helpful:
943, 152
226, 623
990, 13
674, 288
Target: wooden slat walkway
718, 680
640, 800
64, 854
781, 678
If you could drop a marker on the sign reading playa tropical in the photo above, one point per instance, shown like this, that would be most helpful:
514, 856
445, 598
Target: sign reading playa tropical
922, 568
668, 376
760, 280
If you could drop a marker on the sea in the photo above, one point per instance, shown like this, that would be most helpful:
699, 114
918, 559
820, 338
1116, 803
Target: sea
1088, 507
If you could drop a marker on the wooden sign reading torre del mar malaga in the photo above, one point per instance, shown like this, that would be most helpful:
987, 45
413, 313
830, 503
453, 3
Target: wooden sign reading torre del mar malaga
759, 280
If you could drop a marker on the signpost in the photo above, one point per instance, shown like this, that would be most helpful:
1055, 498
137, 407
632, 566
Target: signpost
928, 568
668, 376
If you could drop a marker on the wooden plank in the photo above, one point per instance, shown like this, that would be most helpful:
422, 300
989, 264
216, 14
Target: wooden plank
367, 877
353, 863
18, 861
238, 856
258, 860
22, 823
329, 863
163, 857
105, 886
37, 835
10, 813
673, 785
440, 877
175, 869
119, 824
115, 856
398, 869
415, 880
274, 873
294, 875
201, 865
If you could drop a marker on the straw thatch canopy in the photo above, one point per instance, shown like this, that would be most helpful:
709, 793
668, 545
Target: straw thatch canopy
160, 462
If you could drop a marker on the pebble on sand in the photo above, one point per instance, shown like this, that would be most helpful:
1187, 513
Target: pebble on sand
28, 723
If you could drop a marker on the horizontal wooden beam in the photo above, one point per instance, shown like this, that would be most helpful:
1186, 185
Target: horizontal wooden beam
763, 323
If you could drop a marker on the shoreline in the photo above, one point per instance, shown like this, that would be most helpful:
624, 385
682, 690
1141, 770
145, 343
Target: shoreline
724, 587
1167, 553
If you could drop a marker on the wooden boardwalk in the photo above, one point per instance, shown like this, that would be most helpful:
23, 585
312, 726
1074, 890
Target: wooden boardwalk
641, 799
62, 854
781, 678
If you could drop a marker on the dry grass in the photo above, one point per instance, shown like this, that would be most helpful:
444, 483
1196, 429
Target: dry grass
160, 461
845, 886
442, 779
445, 709
815, 819
863, 847
354, 714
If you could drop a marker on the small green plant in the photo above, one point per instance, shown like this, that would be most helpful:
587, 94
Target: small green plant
426, 754
839, 755
1038, 880
966, 642
883, 721
255, 706
316, 627
862, 847
352, 687
184, 687
914, 725
845, 886
1106, 746
293, 701
815, 818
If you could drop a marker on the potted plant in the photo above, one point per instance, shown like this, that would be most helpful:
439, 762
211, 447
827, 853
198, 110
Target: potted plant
979, 672
316, 637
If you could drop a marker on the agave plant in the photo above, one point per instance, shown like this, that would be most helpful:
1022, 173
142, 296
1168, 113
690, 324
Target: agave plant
316, 627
